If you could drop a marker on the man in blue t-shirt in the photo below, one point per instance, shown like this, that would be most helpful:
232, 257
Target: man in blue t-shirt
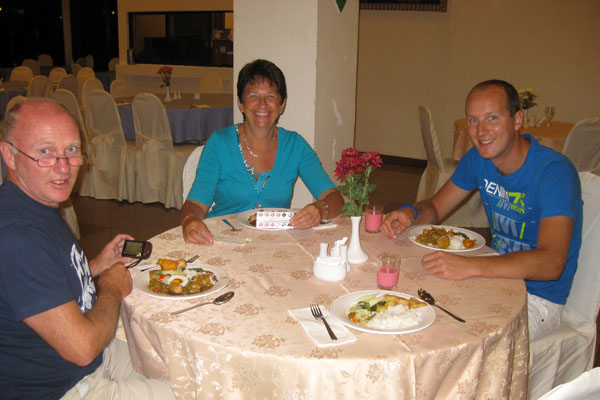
532, 197
58, 312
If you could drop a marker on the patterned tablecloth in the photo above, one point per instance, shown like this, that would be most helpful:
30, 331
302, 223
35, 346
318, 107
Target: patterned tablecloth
553, 136
251, 348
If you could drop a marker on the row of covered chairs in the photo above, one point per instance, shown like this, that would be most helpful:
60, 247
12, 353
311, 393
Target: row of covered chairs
148, 170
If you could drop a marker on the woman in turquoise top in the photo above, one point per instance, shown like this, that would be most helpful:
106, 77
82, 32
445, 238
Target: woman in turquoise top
256, 164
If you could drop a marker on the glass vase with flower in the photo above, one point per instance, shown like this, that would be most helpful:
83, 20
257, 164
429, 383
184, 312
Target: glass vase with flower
165, 74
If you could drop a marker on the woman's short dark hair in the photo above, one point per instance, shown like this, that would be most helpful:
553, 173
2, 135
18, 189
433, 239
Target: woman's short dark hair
513, 102
259, 71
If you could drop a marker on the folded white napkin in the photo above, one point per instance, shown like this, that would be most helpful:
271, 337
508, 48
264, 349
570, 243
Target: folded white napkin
316, 330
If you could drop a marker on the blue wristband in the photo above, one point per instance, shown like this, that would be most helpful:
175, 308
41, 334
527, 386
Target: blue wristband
412, 208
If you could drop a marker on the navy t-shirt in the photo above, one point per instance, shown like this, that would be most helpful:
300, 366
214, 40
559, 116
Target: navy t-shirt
546, 185
42, 267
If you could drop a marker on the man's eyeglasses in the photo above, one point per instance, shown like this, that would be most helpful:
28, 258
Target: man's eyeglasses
73, 161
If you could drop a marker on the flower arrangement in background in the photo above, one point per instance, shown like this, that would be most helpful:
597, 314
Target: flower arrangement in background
354, 170
165, 74
527, 97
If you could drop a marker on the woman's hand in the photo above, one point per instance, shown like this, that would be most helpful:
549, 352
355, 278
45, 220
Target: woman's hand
110, 254
306, 218
195, 231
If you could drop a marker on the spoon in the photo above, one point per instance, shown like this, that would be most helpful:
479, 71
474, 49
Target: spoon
233, 228
428, 298
222, 299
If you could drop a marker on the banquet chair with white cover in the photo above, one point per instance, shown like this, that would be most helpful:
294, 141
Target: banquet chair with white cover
585, 387
583, 144
21, 73
84, 74
111, 170
81, 61
439, 169
33, 64
89, 61
68, 82
118, 88
159, 164
38, 86
210, 82
75, 68
55, 74
112, 64
189, 170
568, 351
91, 84
45, 60
66, 208
69, 101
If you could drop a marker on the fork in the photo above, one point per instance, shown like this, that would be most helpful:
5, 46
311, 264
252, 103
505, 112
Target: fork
316, 312
233, 228
191, 260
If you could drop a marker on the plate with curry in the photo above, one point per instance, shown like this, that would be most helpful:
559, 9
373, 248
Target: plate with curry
446, 238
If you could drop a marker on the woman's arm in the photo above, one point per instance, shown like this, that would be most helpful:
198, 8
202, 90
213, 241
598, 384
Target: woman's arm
192, 215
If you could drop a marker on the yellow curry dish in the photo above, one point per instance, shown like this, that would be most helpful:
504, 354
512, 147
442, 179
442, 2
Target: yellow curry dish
445, 239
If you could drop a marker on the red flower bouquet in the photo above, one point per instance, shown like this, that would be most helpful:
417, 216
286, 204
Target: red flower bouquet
165, 74
353, 170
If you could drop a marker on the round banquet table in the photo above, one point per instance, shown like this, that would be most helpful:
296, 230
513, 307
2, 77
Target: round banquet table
252, 348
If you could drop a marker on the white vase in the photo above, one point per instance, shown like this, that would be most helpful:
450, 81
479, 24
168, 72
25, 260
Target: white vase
356, 255
168, 97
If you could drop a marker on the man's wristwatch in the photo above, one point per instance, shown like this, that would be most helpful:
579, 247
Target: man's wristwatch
412, 208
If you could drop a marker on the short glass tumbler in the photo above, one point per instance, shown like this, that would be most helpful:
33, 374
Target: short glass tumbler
373, 218
387, 274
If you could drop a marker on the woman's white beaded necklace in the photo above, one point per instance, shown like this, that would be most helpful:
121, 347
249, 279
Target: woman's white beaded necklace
253, 154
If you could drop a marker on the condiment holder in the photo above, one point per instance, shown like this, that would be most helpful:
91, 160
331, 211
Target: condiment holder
335, 266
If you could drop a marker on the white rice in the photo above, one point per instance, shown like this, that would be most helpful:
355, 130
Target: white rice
397, 317
456, 243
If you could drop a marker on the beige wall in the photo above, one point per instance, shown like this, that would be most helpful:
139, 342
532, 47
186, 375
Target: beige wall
408, 58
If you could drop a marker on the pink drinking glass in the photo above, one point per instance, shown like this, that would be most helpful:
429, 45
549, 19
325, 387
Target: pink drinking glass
387, 274
373, 218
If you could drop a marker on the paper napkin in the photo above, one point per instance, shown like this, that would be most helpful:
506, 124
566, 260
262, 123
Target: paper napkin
316, 330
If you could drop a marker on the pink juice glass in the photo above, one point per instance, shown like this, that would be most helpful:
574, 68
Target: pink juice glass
373, 218
387, 274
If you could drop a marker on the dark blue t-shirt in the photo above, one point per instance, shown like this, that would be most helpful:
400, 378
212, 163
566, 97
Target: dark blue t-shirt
42, 267
546, 185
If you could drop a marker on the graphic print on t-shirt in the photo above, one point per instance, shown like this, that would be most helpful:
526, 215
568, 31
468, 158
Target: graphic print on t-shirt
505, 208
88, 290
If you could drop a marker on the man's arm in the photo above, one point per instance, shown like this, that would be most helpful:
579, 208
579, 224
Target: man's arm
545, 263
431, 211
78, 337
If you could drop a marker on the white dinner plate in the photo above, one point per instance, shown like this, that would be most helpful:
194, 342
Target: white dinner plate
243, 217
480, 241
342, 304
141, 283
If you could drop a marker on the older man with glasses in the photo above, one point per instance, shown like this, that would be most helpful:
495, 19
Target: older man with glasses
58, 312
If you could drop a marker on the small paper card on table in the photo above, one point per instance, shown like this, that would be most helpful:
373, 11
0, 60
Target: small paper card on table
274, 219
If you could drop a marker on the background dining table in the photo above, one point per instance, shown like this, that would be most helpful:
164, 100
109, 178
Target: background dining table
253, 348
190, 120
553, 136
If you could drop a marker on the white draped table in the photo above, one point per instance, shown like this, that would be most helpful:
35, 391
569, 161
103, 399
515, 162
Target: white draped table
251, 348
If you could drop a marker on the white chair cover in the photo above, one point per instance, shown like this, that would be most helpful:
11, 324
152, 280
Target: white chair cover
68, 82
81, 61
33, 64
75, 68
585, 387
210, 82
439, 169
111, 170
158, 166
21, 73
189, 170
89, 61
45, 60
84, 74
55, 74
112, 64
568, 351
91, 84
14, 101
118, 88
38, 86
583, 144
69, 101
